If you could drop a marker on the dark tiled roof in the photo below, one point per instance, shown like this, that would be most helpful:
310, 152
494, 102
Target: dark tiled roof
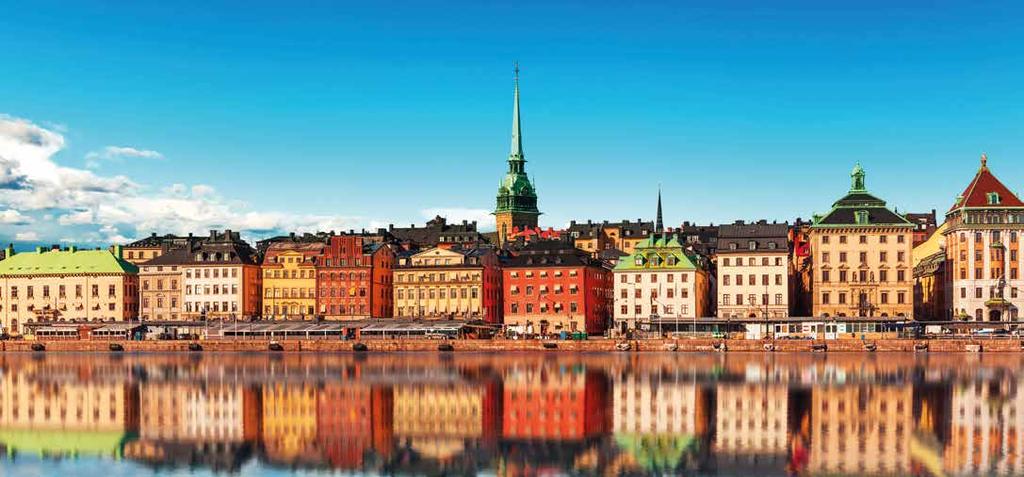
219, 252
438, 230
168, 240
770, 237
591, 229
550, 253
876, 216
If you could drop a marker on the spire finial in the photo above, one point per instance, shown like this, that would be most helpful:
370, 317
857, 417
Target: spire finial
659, 226
984, 160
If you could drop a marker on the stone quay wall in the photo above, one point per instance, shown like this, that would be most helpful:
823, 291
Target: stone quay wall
592, 345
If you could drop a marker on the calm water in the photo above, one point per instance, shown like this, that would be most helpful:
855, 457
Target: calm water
511, 414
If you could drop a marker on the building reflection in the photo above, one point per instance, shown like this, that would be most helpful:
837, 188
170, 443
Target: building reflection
659, 422
520, 415
65, 419
987, 423
184, 424
552, 417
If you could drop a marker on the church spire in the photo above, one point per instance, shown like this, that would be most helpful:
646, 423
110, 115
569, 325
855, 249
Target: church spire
659, 226
516, 153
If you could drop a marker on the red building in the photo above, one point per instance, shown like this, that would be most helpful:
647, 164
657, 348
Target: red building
354, 279
551, 286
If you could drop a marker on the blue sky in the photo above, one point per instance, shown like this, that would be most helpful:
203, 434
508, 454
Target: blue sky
269, 117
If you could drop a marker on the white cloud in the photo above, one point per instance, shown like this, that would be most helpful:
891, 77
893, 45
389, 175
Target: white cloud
483, 217
118, 153
26, 236
13, 217
96, 209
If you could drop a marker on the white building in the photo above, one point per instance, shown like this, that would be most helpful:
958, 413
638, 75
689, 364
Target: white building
983, 236
753, 270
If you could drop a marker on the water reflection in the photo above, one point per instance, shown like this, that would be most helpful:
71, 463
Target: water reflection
513, 414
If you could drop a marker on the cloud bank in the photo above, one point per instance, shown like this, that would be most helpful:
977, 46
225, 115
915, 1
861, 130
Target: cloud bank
83, 206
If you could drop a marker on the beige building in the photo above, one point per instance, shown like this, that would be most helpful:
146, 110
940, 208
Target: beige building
449, 283
753, 270
161, 289
65, 285
862, 257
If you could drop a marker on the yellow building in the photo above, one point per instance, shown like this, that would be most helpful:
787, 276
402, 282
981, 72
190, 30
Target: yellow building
862, 257
289, 280
64, 285
446, 283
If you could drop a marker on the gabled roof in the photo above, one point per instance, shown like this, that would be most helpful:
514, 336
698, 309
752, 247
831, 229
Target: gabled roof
64, 262
984, 183
664, 247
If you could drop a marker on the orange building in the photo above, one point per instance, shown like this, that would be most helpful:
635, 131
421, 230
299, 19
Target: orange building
353, 420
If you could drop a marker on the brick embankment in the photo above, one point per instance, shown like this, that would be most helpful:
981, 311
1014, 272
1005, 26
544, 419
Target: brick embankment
593, 345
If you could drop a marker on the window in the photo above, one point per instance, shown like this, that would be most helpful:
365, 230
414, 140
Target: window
825, 298
842, 239
842, 257
778, 299
825, 276
824, 257
824, 239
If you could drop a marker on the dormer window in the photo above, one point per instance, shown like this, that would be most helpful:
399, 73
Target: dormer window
732, 246
993, 198
752, 244
639, 261
772, 245
860, 217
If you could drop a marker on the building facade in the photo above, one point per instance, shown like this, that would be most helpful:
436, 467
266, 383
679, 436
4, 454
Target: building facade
354, 279
551, 286
517, 198
862, 257
222, 279
657, 287
753, 270
983, 236
289, 280
161, 286
65, 285
449, 283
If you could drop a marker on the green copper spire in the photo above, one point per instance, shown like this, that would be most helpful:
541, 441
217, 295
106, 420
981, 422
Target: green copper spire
857, 179
516, 153
516, 192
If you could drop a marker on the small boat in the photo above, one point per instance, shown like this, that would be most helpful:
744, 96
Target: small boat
973, 348
360, 347
624, 346
275, 346
921, 347
445, 347
720, 347
38, 347
116, 347
819, 348
671, 346
550, 345
195, 347
769, 347
870, 347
